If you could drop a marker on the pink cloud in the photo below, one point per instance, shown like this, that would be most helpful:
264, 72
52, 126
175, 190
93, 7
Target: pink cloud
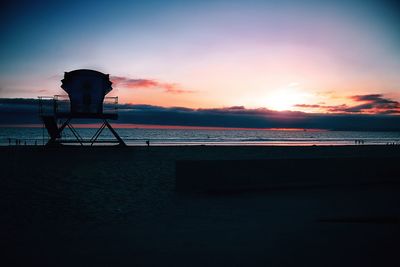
371, 103
147, 83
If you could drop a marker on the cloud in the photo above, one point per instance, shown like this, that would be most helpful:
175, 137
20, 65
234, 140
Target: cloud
241, 117
22, 111
308, 106
375, 103
133, 83
372, 97
327, 108
370, 104
147, 83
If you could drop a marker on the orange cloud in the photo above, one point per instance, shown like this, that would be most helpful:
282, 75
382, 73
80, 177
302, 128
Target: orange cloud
147, 83
370, 104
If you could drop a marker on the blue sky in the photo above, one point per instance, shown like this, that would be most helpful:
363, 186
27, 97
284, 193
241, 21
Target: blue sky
273, 54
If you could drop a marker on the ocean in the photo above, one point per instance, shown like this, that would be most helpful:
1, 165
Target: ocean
165, 136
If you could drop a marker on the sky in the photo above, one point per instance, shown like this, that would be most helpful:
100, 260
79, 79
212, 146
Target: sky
336, 57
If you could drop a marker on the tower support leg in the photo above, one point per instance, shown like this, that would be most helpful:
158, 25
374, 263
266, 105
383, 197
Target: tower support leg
97, 134
121, 142
53, 138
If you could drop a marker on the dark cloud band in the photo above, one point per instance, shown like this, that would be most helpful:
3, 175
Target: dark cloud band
23, 111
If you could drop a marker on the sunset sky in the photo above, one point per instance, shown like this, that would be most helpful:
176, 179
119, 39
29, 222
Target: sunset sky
312, 56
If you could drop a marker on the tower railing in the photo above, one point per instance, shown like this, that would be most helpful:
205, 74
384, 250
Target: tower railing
60, 105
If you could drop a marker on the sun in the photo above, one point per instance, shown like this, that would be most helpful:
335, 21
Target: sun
285, 98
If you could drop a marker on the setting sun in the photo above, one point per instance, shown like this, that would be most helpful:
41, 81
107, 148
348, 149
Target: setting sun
286, 98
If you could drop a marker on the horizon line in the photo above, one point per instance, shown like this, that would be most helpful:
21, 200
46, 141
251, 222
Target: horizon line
163, 127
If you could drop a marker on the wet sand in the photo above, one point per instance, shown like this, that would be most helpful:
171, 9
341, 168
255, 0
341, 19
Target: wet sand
107, 206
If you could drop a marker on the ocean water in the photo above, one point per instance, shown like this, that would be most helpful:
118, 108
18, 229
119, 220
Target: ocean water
139, 136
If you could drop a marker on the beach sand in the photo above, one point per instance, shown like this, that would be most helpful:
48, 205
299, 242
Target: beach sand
110, 206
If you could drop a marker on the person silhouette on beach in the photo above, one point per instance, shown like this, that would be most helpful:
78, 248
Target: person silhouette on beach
148, 142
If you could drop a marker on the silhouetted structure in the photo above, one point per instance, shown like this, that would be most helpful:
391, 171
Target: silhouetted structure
87, 90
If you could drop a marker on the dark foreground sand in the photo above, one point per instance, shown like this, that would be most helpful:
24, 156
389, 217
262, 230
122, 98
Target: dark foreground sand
119, 207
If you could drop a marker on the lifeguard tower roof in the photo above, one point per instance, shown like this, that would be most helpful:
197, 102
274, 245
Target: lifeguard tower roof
86, 90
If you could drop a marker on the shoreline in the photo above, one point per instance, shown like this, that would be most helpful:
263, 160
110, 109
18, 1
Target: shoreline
278, 142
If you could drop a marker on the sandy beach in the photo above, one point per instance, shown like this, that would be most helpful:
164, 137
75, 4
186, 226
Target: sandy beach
108, 206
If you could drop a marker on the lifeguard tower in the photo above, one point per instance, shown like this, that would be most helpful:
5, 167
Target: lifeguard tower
86, 99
